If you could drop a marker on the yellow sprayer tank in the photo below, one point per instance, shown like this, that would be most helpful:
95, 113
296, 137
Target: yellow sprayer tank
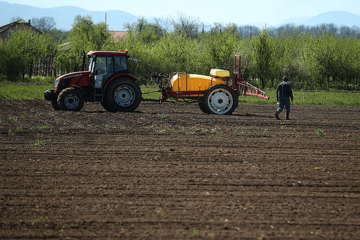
182, 82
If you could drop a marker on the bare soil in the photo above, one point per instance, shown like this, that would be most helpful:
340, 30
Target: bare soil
170, 171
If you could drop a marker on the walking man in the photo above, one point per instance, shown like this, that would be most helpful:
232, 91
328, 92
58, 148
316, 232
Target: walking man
283, 95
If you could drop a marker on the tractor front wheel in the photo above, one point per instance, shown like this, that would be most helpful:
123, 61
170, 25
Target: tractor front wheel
70, 99
55, 105
123, 95
220, 99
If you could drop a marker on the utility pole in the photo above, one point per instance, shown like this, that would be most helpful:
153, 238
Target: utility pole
105, 21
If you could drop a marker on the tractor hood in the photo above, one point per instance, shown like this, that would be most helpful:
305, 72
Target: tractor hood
81, 79
74, 74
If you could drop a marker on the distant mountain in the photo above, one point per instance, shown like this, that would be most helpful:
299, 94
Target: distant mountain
339, 18
295, 21
64, 16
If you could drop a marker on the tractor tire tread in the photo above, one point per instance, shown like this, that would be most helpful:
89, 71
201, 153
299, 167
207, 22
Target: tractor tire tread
109, 97
60, 100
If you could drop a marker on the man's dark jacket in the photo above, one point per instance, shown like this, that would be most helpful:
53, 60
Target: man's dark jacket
284, 90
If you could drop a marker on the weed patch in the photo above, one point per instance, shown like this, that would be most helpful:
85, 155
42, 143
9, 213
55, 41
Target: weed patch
320, 133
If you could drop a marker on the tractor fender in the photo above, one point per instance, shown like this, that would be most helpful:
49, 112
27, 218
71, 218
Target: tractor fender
82, 91
120, 76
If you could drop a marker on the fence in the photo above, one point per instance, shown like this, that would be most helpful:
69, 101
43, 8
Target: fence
46, 67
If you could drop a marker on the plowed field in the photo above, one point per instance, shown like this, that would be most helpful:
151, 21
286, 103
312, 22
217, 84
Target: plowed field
170, 171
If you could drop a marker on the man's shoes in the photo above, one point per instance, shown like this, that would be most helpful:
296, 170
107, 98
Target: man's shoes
287, 115
277, 116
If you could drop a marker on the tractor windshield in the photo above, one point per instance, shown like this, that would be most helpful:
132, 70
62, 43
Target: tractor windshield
91, 64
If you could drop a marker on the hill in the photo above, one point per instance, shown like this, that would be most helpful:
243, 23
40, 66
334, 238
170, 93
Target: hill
339, 18
64, 16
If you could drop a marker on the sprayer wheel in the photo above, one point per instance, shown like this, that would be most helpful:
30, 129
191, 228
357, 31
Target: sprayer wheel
220, 99
202, 106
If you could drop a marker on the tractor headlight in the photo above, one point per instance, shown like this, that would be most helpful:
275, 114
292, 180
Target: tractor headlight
57, 83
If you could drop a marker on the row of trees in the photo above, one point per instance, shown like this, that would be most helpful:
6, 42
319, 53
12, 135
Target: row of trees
324, 59
311, 60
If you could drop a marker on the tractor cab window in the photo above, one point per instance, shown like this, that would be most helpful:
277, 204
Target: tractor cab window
103, 69
104, 66
120, 63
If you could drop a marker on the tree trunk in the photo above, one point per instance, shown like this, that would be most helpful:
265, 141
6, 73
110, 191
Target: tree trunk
262, 82
31, 70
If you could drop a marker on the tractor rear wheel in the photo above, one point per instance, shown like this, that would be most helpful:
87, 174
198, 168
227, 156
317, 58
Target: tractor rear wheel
70, 99
55, 105
123, 95
220, 99
105, 105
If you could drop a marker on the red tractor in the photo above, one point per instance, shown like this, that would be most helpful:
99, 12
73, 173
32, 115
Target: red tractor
108, 81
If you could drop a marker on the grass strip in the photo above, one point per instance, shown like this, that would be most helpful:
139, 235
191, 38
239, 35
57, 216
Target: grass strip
317, 98
22, 92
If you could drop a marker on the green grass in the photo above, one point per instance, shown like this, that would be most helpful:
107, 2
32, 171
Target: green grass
33, 79
22, 92
314, 98
150, 95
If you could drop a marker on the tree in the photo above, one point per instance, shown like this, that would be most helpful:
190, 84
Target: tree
59, 36
187, 25
84, 37
262, 56
248, 31
163, 23
220, 48
144, 31
43, 24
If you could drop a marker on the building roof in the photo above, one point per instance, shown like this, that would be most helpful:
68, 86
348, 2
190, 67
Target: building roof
118, 34
20, 21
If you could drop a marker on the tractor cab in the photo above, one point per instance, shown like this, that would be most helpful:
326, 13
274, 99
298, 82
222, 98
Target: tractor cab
104, 66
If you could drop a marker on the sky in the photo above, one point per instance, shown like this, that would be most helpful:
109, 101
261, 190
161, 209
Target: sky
270, 12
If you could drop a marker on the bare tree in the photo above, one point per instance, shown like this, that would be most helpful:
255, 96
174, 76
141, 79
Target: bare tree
163, 23
217, 28
332, 28
15, 18
248, 31
130, 27
231, 28
345, 30
188, 25
138, 27
43, 24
